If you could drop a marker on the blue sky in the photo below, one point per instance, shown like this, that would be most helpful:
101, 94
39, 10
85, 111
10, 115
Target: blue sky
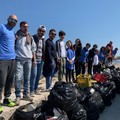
93, 21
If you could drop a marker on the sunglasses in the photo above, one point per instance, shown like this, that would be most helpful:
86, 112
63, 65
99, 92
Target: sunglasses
53, 34
41, 31
12, 20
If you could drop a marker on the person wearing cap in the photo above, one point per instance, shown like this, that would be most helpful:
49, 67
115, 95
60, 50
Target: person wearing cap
7, 59
90, 58
39, 40
25, 50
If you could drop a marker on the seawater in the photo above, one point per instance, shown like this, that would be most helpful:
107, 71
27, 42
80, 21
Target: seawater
116, 61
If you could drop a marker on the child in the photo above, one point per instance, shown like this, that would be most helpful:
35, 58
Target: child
70, 61
95, 62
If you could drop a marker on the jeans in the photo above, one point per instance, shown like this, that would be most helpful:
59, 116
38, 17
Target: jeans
23, 70
7, 69
35, 76
61, 68
82, 67
50, 76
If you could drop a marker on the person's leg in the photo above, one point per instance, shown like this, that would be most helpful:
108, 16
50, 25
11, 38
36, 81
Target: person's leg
33, 77
18, 76
93, 69
39, 69
80, 67
63, 66
67, 74
48, 82
3, 75
90, 68
27, 71
70, 75
73, 78
50, 76
83, 68
77, 71
97, 68
10, 78
18, 80
9, 81
60, 69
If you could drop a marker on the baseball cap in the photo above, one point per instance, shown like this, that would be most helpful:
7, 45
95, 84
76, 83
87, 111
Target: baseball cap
42, 27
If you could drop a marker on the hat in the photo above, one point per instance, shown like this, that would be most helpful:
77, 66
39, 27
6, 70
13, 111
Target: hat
42, 27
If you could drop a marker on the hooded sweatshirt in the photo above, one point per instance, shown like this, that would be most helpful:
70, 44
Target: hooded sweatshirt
24, 47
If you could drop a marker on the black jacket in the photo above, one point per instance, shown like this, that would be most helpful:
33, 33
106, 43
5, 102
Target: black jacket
50, 51
91, 55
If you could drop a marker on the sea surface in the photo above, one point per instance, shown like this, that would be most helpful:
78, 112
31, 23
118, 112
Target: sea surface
116, 61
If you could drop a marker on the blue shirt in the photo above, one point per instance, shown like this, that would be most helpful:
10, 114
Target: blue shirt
101, 57
84, 55
70, 56
7, 40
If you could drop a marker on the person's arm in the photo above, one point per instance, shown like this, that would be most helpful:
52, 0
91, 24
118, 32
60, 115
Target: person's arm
1, 30
43, 50
33, 48
48, 51
34, 58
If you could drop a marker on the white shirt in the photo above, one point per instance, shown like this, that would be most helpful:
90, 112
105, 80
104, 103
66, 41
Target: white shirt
95, 60
62, 49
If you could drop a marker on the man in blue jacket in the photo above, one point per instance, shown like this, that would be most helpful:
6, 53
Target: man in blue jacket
7, 59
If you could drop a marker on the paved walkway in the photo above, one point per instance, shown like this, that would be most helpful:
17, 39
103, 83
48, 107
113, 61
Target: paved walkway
112, 112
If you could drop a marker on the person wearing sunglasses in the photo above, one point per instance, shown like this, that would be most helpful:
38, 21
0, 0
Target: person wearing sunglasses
49, 67
7, 59
38, 64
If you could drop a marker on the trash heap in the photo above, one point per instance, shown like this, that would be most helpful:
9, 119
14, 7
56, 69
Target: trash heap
85, 100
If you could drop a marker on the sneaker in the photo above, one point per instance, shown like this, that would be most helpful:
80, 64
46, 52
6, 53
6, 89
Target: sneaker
37, 92
47, 90
27, 98
8, 102
32, 94
1, 109
17, 101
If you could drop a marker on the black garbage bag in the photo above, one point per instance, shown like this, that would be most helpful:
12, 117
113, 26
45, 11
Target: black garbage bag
23, 114
117, 83
105, 91
91, 104
38, 113
84, 95
2, 118
99, 101
63, 96
47, 108
78, 113
81, 95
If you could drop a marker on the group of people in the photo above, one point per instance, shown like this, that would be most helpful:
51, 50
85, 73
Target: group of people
25, 57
